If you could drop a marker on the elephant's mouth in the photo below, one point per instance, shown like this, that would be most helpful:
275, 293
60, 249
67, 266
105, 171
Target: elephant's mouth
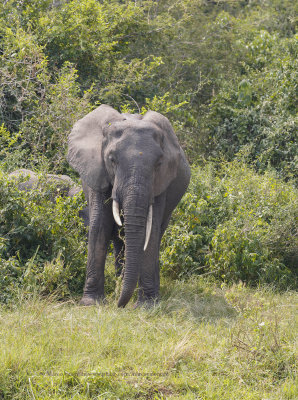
116, 214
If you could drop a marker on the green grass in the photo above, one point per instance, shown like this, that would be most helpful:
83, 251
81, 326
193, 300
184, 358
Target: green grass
200, 342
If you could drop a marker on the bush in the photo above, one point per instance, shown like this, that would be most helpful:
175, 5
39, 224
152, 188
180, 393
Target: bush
233, 65
235, 224
225, 73
257, 114
42, 243
38, 106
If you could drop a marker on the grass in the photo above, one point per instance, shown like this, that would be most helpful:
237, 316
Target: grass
201, 342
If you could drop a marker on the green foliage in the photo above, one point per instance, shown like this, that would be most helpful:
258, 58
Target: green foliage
232, 65
39, 109
22, 75
60, 108
260, 114
42, 243
225, 73
10, 155
235, 224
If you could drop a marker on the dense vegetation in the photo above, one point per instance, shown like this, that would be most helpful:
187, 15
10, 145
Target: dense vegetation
235, 224
225, 73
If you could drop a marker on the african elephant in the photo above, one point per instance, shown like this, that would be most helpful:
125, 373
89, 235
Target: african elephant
60, 184
134, 171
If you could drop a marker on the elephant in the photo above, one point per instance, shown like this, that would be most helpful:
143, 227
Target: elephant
60, 184
133, 171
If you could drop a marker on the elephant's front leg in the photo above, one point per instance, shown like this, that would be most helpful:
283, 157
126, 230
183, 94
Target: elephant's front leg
149, 281
100, 231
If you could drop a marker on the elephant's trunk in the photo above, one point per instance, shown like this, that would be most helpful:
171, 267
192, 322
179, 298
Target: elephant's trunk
136, 208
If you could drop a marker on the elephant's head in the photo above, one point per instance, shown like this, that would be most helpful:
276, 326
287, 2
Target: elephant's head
134, 156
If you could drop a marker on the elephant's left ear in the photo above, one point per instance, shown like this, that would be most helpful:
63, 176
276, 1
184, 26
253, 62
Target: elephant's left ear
172, 152
85, 146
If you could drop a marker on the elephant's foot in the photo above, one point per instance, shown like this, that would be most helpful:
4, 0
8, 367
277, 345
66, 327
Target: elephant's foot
146, 303
147, 298
90, 301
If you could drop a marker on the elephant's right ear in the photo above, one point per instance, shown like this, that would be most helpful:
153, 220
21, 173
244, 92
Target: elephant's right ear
85, 146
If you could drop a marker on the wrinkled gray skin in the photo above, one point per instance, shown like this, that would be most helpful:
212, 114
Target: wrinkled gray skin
137, 162
62, 185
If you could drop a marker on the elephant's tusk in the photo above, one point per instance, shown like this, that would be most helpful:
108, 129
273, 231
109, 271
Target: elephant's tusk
148, 227
116, 213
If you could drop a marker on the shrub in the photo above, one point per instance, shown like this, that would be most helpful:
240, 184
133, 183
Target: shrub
257, 113
42, 243
38, 106
236, 224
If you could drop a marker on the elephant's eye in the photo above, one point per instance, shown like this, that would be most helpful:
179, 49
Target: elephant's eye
158, 163
117, 133
112, 159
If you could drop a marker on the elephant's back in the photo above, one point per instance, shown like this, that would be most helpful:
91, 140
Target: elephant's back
22, 172
27, 178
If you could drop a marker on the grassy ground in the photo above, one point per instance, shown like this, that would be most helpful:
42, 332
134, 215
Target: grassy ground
200, 342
